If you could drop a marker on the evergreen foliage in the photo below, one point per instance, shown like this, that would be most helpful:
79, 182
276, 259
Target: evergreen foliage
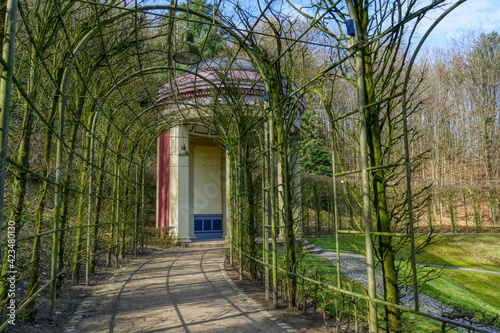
209, 38
314, 154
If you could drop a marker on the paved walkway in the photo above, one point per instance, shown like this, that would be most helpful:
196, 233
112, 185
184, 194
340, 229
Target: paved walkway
179, 290
184, 290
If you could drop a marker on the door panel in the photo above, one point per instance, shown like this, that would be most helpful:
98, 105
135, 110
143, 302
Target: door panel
208, 226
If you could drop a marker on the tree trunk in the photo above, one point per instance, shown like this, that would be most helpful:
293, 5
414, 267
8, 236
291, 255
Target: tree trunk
77, 251
251, 222
440, 198
429, 213
99, 193
451, 207
492, 205
20, 183
476, 204
65, 193
42, 195
114, 211
466, 214
317, 209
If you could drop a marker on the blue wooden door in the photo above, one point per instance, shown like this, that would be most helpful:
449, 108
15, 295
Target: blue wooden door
208, 226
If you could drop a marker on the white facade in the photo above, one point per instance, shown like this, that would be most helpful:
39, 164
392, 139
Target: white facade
195, 183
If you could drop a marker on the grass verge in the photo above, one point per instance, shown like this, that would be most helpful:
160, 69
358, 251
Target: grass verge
468, 290
475, 291
322, 269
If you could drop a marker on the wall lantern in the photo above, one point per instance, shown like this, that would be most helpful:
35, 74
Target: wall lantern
183, 151
187, 52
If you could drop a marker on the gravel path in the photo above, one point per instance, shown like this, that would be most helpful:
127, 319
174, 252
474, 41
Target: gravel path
179, 290
354, 266
184, 290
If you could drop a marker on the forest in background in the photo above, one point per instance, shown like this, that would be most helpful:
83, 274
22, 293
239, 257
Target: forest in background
456, 128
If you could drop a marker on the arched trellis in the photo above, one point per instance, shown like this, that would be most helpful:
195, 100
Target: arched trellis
132, 123
83, 42
118, 159
8, 66
80, 45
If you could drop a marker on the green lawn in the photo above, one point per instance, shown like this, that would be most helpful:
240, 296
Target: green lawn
352, 244
315, 264
480, 251
415, 324
472, 290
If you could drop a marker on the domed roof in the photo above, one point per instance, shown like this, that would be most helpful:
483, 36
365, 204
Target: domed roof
199, 81
223, 63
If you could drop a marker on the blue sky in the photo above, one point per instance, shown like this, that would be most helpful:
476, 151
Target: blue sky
475, 15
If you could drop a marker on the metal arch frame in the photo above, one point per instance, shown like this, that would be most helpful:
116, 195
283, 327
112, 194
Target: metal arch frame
120, 143
62, 106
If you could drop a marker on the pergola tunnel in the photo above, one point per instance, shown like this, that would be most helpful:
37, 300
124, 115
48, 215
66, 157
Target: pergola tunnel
134, 124
193, 160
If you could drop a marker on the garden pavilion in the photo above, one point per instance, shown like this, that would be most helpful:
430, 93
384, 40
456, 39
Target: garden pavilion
193, 166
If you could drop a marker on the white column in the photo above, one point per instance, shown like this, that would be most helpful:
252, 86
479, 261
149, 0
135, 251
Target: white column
227, 195
183, 203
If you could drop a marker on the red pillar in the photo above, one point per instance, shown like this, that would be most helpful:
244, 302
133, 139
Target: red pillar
163, 189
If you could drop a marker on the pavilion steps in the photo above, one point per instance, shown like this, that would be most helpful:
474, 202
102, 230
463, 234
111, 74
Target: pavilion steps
311, 248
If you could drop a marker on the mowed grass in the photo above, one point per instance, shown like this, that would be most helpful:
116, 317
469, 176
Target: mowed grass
471, 290
478, 251
413, 323
351, 244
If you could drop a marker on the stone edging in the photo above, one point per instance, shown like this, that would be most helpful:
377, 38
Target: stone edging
253, 303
